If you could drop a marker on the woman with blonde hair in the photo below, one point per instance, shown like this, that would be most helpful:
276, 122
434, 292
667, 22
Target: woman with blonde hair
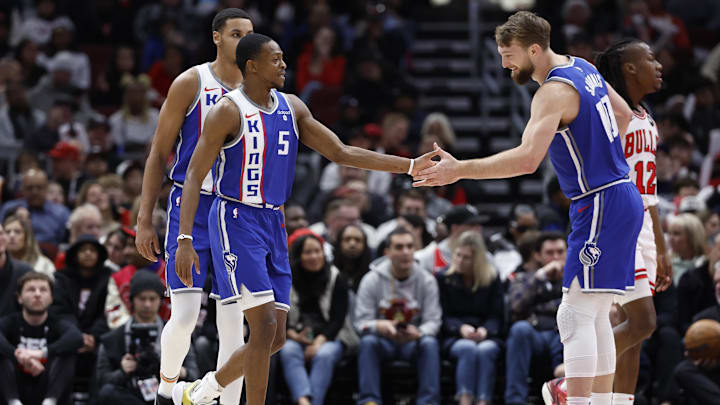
23, 246
471, 296
687, 242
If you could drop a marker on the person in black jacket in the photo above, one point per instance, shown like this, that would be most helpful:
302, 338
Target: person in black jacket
37, 349
129, 356
352, 254
10, 271
81, 288
318, 310
695, 288
700, 379
471, 296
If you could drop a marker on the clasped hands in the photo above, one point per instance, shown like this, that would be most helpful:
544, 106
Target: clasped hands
429, 172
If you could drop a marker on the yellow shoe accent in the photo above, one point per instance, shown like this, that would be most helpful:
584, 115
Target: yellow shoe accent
186, 394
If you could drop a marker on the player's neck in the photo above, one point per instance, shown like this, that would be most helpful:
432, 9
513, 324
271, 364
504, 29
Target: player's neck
549, 61
259, 93
636, 95
227, 72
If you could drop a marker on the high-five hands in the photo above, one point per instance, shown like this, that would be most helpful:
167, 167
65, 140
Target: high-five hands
429, 173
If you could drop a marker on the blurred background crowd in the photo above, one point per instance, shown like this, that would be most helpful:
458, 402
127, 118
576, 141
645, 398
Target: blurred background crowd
437, 294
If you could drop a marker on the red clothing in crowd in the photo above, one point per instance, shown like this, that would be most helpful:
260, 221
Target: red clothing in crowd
333, 71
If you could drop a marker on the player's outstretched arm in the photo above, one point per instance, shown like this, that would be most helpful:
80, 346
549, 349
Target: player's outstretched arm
221, 121
621, 110
321, 139
553, 103
172, 114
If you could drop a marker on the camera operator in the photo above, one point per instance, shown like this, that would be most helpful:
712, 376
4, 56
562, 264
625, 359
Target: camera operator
129, 357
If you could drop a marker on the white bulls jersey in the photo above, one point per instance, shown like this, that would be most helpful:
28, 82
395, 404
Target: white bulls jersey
640, 144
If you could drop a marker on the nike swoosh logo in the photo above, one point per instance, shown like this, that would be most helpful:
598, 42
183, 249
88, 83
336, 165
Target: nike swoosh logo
583, 208
251, 115
214, 88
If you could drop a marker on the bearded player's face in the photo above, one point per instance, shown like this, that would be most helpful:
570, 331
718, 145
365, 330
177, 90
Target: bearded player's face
517, 59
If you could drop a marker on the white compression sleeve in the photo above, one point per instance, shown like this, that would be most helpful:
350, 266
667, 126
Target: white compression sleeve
230, 330
175, 340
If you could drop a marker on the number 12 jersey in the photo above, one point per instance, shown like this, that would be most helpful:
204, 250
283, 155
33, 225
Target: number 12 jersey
640, 146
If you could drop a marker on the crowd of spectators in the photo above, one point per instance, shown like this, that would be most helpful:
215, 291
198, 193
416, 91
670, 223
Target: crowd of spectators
382, 273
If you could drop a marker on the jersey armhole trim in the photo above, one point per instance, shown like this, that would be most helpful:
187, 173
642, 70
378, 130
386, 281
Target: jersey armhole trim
239, 134
197, 93
562, 80
292, 115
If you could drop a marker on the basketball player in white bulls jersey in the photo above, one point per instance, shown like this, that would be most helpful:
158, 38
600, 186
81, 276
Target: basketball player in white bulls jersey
631, 68
190, 98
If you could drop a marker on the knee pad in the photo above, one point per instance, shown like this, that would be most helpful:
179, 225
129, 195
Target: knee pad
577, 333
605, 346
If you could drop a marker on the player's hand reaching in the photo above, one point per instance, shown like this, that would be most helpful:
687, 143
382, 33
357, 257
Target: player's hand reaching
146, 242
437, 173
185, 258
664, 272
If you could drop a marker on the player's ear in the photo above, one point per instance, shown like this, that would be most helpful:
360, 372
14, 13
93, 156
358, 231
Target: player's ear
629, 68
216, 37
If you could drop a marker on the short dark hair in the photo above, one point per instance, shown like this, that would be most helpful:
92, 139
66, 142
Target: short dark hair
400, 230
548, 236
248, 48
30, 276
221, 18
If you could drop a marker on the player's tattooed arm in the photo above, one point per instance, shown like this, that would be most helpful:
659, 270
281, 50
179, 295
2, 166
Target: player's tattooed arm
172, 114
321, 139
221, 121
555, 104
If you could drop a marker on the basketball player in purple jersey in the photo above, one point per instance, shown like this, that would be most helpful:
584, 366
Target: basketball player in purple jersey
189, 100
256, 131
576, 117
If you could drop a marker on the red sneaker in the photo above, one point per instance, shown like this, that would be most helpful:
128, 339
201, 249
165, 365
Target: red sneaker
554, 392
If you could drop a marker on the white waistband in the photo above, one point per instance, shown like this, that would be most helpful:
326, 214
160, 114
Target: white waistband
179, 185
603, 187
249, 204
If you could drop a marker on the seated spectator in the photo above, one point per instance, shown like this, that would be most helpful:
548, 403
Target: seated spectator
134, 124
115, 245
436, 128
316, 323
27, 53
85, 220
117, 305
687, 242
37, 348
48, 219
81, 288
18, 119
553, 216
55, 193
132, 175
66, 165
417, 225
129, 357
436, 256
534, 299
23, 247
526, 247
472, 301
320, 64
295, 218
696, 290
352, 255
700, 379
409, 202
92, 192
338, 213
61, 40
504, 245
398, 313
10, 271
109, 88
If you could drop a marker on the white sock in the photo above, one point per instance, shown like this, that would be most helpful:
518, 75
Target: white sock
49, 401
15, 402
604, 398
578, 401
622, 399
230, 330
175, 340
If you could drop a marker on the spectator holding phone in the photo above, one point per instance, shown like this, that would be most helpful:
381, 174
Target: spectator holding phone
398, 313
